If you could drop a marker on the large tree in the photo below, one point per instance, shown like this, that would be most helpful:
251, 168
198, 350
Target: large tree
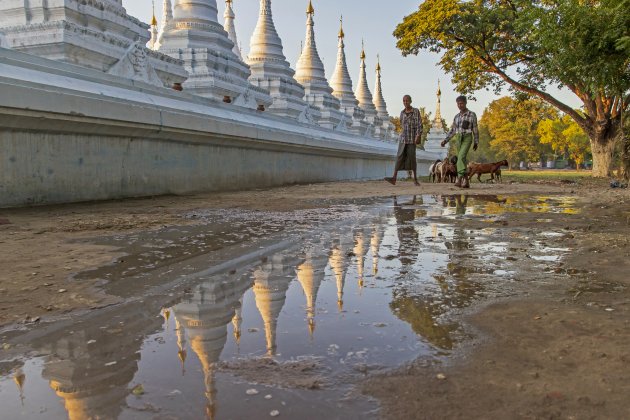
582, 45
565, 137
513, 127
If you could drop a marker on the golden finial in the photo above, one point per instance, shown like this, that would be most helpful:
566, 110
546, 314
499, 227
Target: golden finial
341, 33
310, 10
378, 63
439, 92
154, 20
362, 50
229, 2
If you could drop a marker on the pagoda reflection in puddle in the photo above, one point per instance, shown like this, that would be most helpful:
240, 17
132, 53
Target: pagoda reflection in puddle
375, 292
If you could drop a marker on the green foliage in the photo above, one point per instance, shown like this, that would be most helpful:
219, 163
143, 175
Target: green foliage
512, 127
565, 137
582, 45
396, 122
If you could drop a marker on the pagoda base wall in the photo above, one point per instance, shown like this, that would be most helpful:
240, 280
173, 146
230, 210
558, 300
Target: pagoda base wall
71, 134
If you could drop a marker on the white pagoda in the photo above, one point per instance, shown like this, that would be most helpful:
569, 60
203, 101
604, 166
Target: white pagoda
270, 69
195, 35
311, 75
366, 101
341, 83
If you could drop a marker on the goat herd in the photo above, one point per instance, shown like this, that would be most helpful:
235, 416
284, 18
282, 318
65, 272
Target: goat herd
446, 170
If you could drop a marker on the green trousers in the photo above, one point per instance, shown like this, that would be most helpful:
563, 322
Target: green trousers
464, 141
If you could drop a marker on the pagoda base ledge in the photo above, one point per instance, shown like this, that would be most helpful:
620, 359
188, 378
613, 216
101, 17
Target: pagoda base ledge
71, 134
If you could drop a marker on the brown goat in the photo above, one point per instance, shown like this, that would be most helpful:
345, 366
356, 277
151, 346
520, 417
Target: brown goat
446, 170
485, 168
449, 172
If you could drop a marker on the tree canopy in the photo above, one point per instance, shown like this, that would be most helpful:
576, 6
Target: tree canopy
582, 45
565, 137
513, 127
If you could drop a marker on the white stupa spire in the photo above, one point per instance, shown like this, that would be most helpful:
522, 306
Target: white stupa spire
310, 69
379, 100
230, 28
363, 94
153, 42
437, 121
167, 16
310, 73
270, 69
341, 83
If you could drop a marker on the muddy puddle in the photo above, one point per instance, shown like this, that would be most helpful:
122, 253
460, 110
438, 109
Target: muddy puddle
257, 314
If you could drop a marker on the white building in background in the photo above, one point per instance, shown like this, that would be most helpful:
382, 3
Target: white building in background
271, 71
311, 75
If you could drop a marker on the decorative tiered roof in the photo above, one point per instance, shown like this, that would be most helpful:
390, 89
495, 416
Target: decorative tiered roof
341, 83
93, 34
167, 16
379, 100
270, 69
230, 28
195, 35
363, 94
312, 76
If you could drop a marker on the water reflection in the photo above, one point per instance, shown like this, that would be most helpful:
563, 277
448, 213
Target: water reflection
205, 317
408, 243
270, 288
90, 369
378, 289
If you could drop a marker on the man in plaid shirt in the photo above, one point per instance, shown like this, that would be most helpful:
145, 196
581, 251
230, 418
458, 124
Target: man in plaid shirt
466, 131
410, 135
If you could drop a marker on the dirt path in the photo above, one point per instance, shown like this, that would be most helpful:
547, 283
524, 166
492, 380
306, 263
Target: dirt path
562, 352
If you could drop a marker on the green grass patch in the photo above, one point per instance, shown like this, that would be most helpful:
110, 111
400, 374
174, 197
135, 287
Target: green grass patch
546, 175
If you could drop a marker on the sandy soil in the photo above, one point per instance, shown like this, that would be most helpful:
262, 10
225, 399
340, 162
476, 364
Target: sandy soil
561, 352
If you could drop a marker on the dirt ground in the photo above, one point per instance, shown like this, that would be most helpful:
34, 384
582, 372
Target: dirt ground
561, 352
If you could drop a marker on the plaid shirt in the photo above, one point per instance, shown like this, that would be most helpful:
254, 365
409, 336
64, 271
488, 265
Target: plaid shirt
464, 123
411, 126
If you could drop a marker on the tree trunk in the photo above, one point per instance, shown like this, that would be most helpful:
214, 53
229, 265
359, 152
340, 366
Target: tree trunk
603, 148
625, 157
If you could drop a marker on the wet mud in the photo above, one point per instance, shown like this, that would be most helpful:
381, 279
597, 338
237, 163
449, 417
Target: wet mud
351, 308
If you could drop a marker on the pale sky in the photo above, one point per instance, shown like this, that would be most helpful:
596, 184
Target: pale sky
370, 20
